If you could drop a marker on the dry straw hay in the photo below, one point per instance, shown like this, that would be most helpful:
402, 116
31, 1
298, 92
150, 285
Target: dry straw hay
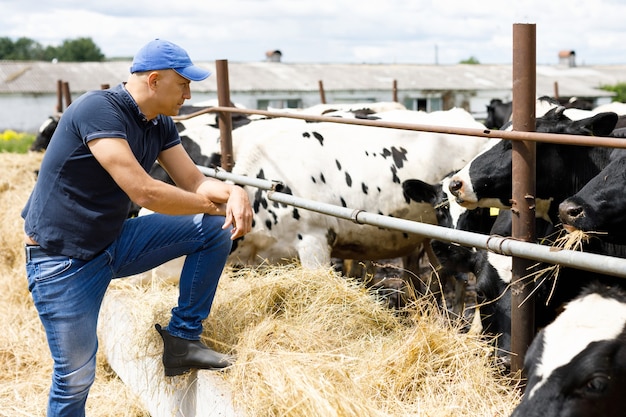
308, 343
24, 356
564, 240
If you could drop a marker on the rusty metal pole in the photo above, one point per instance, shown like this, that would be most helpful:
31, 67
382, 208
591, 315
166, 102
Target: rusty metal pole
225, 118
320, 84
59, 96
67, 94
556, 90
523, 203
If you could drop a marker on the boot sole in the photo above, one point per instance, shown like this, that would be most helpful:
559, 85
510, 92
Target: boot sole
176, 371
183, 370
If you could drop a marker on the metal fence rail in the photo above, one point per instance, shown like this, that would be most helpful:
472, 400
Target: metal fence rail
497, 244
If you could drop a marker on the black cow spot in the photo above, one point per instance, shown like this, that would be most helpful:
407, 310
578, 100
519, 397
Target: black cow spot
295, 214
179, 127
394, 172
314, 180
399, 156
299, 236
274, 216
316, 135
348, 180
259, 201
365, 114
319, 137
364, 188
343, 202
268, 224
338, 164
322, 178
386, 152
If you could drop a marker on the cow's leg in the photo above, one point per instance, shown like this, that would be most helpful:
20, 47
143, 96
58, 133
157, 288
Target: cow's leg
314, 252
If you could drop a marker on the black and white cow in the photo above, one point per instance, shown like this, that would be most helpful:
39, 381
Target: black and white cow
44, 134
498, 113
351, 166
493, 272
561, 169
576, 366
487, 182
599, 208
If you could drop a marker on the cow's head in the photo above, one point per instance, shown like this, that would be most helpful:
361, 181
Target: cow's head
46, 130
486, 181
576, 366
600, 206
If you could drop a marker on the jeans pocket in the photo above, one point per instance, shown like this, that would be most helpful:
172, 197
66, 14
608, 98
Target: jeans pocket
47, 269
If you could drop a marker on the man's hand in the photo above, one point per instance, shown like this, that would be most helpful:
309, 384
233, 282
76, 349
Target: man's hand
238, 212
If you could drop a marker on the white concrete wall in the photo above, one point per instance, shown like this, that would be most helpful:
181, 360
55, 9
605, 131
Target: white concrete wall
134, 353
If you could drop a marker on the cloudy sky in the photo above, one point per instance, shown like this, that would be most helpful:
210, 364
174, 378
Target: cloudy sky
340, 31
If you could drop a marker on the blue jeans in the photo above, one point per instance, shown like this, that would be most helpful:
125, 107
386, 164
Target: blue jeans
68, 292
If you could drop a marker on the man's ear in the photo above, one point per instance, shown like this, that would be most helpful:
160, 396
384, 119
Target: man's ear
152, 79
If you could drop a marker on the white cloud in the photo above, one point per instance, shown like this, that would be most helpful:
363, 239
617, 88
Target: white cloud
418, 31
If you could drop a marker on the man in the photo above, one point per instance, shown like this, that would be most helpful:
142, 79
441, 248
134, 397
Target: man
78, 237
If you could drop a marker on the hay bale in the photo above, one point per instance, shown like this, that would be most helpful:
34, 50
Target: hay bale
24, 354
313, 343
128, 341
308, 342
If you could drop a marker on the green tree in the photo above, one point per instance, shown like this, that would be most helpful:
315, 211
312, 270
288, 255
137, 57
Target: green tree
471, 60
6, 47
79, 50
76, 50
25, 49
619, 90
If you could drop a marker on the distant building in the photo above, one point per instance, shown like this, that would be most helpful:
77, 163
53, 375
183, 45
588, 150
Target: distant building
273, 56
567, 58
28, 90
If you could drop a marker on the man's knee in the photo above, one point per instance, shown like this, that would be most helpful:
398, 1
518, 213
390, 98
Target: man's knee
213, 231
73, 387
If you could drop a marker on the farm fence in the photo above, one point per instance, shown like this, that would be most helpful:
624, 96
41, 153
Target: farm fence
520, 245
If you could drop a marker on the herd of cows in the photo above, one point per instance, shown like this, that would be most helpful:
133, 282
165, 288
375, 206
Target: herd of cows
451, 181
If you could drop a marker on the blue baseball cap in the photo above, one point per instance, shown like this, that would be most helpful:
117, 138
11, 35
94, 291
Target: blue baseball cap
160, 54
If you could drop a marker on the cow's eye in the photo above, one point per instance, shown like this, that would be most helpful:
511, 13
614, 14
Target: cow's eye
597, 384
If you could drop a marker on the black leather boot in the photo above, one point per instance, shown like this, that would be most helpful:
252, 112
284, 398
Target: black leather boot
181, 355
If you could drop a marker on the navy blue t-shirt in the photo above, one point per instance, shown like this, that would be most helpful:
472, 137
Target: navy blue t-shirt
76, 209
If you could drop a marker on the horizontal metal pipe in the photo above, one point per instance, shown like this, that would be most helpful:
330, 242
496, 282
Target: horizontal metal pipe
505, 246
501, 245
562, 139
241, 179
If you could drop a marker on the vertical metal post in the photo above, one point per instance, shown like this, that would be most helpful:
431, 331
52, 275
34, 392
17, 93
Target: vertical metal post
395, 91
320, 84
556, 90
67, 94
524, 176
225, 119
59, 96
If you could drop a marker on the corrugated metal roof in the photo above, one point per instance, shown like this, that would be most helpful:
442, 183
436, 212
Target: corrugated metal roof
28, 77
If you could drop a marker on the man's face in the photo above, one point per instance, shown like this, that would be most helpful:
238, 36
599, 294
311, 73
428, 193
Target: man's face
171, 92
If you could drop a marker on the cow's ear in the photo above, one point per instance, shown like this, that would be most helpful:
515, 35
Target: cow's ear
601, 124
420, 192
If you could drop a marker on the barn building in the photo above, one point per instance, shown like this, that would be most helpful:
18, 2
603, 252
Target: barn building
28, 90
